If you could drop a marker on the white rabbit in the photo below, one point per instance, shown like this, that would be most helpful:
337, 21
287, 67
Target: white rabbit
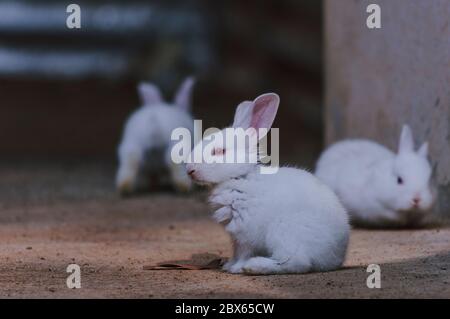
287, 222
146, 142
378, 187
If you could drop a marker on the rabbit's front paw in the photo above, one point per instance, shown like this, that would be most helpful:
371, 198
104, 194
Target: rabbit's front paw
227, 197
223, 215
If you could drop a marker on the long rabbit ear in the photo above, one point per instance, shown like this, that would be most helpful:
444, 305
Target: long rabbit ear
149, 93
423, 150
264, 111
243, 115
406, 143
184, 94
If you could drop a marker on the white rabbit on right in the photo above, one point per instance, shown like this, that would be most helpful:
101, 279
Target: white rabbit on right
378, 187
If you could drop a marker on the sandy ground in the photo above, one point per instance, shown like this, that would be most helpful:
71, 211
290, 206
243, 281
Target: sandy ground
52, 216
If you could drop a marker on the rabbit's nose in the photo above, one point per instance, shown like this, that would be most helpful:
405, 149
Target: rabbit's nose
416, 201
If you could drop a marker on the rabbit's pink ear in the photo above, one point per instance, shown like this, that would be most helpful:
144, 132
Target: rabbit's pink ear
149, 93
243, 115
184, 94
406, 143
264, 110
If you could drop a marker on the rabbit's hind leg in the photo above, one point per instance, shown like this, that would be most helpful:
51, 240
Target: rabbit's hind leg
266, 266
127, 174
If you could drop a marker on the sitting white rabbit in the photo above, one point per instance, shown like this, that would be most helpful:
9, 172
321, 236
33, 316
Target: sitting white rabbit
287, 222
146, 142
378, 187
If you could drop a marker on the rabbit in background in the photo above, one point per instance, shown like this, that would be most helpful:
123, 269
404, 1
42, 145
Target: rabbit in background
287, 222
144, 151
378, 187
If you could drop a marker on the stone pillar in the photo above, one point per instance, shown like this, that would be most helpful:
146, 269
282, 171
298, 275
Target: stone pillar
378, 79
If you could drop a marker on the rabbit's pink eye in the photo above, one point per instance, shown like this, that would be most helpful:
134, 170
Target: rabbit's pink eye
399, 180
218, 151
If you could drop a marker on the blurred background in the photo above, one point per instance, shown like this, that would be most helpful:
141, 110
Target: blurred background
65, 93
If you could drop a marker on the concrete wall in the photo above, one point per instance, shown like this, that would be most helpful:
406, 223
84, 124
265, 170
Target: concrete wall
378, 79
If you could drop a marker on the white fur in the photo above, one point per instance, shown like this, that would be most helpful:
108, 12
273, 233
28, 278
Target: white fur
147, 132
287, 222
365, 175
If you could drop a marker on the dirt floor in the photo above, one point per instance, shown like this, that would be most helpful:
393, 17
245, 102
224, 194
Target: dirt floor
52, 216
